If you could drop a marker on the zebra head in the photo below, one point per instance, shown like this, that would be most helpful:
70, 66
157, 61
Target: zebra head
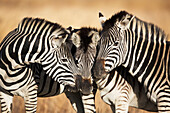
50, 49
113, 44
85, 41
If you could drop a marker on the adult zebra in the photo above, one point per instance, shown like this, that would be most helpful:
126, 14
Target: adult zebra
118, 89
34, 41
142, 49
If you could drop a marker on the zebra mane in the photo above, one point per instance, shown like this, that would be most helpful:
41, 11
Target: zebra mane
85, 39
157, 29
118, 16
111, 21
29, 20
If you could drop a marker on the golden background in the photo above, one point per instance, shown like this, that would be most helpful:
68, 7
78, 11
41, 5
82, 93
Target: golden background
77, 13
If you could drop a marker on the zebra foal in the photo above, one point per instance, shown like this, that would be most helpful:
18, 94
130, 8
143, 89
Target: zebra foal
34, 41
142, 49
118, 89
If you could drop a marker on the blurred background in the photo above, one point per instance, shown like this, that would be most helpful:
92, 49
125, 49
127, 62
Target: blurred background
77, 13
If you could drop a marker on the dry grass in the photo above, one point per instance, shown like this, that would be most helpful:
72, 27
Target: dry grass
77, 13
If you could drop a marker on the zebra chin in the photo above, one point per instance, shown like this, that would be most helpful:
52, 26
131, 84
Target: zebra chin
99, 69
85, 86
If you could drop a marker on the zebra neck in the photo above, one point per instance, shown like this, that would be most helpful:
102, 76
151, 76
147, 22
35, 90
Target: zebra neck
146, 43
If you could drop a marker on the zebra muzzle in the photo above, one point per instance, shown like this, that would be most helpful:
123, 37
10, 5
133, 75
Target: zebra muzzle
99, 68
84, 85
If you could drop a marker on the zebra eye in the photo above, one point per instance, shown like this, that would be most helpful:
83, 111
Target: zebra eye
116, 43
118, 29
64, 60
59, 37
76, 61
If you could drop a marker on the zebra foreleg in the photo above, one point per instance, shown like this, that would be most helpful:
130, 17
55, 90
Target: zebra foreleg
6, 102
112, 108
121, 105
30, 98
163, 101
76, 101
163, 107
89, 103
82, 103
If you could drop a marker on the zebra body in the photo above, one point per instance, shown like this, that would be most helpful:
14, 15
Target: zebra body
118, 89
142, 49
34, 41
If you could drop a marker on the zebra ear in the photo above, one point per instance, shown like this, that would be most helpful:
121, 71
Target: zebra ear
102, 19
124, 23
57, 41
95, 37
69, 29
75, 39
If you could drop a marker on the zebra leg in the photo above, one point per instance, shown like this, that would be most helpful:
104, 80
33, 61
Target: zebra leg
30, 98
163, 101
89, 103
76, 101
82, 103
121, 105
113, 108
6, 103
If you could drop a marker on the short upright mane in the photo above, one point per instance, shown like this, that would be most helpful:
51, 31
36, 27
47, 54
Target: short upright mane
117, 17
111, 21
157, 30
30, 20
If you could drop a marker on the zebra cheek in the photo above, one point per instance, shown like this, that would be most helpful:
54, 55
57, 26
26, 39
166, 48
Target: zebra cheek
99, 68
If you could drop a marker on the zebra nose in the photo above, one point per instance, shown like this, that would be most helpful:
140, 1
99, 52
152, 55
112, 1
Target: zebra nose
99, 68
84, 85
87, 86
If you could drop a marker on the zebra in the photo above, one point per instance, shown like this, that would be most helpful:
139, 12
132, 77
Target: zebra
118, 89
142, 49
35, 41
83, 40
47, 87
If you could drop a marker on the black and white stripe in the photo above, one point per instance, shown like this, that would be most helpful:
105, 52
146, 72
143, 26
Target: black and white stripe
142, 49
34, 41
48, 87
85, 40
118, 89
